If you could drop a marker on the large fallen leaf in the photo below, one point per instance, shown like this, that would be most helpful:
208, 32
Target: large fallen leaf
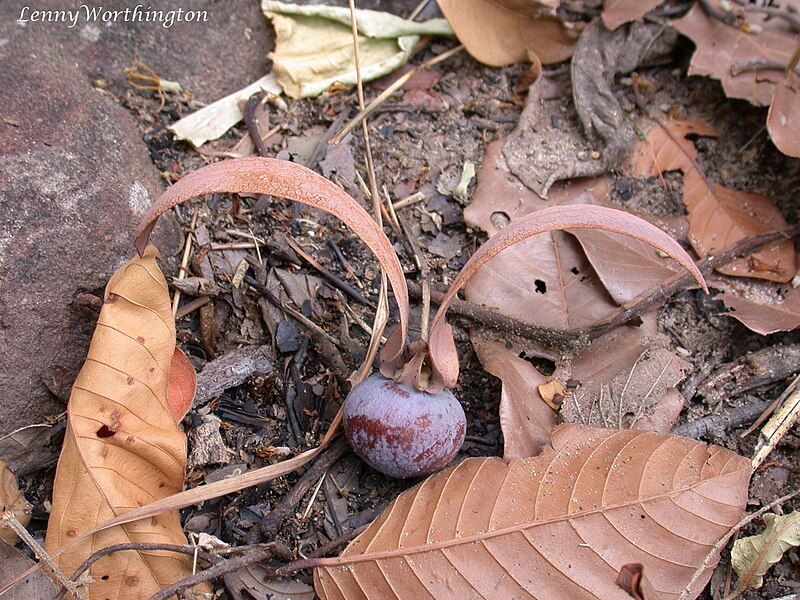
560, 525
36, 586
123, 447
254, 583
12, 500
314, 45
718, 216
749, 60
525, 419
753, 556
501, 32
762, 307
625, 380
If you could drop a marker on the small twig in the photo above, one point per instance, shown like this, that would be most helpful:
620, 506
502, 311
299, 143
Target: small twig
771, 408
723, 541
184, 268
314, 495
721, 422
759, 64
192, 306
13, 523
271, 523
385, 94
295, 314
332, 278
220, 569
409, 200
774, 430
425, 272
382, 311
188, 550
252, 126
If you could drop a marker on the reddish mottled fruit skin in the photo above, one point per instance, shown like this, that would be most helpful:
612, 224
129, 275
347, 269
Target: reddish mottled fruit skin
401, 431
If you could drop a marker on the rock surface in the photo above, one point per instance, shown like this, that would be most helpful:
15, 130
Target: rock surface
74, 177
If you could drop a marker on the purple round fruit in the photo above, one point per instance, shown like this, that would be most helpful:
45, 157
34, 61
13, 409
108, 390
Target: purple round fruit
401, 431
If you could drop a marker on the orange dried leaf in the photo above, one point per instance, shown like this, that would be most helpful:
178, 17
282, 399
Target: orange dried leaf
560, 525
123, 448
617, 12
181, 385
718, 216
501, 32
783, 120
552, 392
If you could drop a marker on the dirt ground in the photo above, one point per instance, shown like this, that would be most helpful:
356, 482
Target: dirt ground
416, 148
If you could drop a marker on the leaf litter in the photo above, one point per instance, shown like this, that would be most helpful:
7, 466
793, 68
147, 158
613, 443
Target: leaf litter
603, 260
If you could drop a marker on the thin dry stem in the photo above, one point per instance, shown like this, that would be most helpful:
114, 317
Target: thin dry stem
723, 541
187, 252
11, 520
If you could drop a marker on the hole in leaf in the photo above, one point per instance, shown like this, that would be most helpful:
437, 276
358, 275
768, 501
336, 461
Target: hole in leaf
500, 219
541, 286
574, 270
104, 578
545, 366
105, 432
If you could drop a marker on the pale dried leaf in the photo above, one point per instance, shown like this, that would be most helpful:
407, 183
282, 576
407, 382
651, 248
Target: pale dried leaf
560, 525
122, 447
625, 380
36, 586
754, 555
12, 500
501, 32
314, 45
723, 50
718, 216
761, 307
525, 419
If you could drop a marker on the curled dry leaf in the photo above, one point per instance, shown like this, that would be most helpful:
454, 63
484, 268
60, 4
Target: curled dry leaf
560, 525
526, 420
762, 307
753, 556
12, 500
26, 449
501, 32
625, 380
749, 58
123, 447
287, 180
36, 586
718, 216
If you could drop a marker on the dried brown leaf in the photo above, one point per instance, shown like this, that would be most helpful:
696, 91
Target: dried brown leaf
718, 216
526, 420
625, 380
501, 32
123, 447
26, 449
36, 586
732, 54
560, 525
783, 120
617, 12
760, 306
632, 580
255, 583
12, 500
